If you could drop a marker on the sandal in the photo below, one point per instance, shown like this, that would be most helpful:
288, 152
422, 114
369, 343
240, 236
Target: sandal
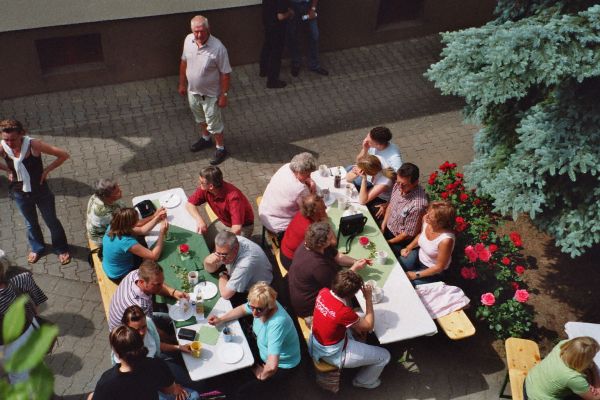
33, 257
64, 258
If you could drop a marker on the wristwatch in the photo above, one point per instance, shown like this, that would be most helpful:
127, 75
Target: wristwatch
418, 275
224, 273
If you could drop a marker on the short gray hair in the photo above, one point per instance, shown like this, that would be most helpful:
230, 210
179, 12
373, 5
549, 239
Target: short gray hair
303, 162
200, 20
316, 235
226, 238
104, 187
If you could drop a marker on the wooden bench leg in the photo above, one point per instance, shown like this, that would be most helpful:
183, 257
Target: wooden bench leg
502, 395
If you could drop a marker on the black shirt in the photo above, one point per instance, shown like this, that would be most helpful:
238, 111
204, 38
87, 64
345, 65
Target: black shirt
143, 383
270, 10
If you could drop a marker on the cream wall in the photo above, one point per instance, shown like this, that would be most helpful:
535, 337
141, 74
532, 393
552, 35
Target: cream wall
29, 14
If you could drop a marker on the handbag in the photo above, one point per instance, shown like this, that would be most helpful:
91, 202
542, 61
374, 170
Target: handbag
146, 208
351, 226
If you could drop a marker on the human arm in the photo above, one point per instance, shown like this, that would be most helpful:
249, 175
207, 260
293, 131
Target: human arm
264, 372
168, 291
201, 226
345, 260
60, 154
153, 254
312, 12
366, 195
170, 348
364, 149
142, 229
182, 88
231, 315
401, 237
225, 291
411, 246
444, 252
224, 82
176, 390
289, 14
366, 323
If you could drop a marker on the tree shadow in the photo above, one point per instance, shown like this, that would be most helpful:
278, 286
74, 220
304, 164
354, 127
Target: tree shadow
64, 364
69, 187
71, 324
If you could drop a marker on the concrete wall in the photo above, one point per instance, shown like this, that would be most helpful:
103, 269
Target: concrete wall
142, 48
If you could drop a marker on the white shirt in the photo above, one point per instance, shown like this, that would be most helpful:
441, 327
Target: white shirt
205, 64
391, 155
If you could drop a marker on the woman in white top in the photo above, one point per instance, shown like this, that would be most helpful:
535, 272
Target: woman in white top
374, 170
435, 244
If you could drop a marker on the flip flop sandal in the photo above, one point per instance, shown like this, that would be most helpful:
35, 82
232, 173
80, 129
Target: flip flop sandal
64, 259
32, 258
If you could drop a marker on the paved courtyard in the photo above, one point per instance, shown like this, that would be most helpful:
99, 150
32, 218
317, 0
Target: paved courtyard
139, 133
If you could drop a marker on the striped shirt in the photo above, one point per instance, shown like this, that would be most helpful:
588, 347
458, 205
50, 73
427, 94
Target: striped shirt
406, 210
128, 294
20, 283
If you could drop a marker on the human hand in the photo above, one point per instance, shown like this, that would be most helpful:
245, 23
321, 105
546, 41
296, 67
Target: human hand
360, 264
367, 292
43, 177
180, 294
257, 370
405, 252
365, 143
179, 392
381, 210
10, 176
222, 103
164, 227
185, 348
312, 186
201, 227
312, 14
160, 214
411, 275
214, 320
182, 90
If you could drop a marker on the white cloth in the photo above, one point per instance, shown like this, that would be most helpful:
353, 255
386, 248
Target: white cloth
428, 249
380, 179
22, 173
391, 155
440, 299
280, 201
205, 64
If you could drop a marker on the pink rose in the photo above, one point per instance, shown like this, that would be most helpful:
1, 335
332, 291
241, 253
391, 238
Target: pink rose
521, 295
184, 248
485, 255
479, 247
519, 269
493, 247
363, 240
471, 253
488, 299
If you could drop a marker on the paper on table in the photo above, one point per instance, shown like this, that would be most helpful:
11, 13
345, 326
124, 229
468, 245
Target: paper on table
187, 322
208, 335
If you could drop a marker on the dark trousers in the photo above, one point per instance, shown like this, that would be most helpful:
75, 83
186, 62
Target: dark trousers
253, 389
272, 50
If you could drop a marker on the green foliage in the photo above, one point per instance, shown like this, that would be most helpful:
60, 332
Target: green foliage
531, 78
30, 357
509, 319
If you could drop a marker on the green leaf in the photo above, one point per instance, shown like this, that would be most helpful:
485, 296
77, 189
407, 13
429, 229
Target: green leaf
33, 351
14, 320
498, 327
41, 381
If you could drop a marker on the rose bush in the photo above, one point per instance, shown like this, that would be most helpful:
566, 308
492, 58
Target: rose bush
491, 265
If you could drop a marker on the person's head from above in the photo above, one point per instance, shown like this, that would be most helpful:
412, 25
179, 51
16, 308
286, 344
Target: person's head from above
151, 277
579, 353
371, 166
226, 246
407, 177
12, 133
313, 207
261, 299
441, 215
128, 345
123, 222
346, 283
379, 137
319, 236
210, 179
302, 165
107, 190
134, 317
200, 28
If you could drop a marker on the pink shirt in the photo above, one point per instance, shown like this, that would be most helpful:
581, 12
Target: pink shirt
428, 251
280, 201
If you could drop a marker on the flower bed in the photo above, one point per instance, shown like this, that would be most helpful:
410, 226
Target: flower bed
490, 265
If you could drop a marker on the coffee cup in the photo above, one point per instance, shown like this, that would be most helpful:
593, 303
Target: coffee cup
381, 257
377, 295
323, 170
193, 278
196, 348
227, 335
342, 203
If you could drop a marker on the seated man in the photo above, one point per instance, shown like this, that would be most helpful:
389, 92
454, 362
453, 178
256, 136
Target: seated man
243, 263
229, 204
283, 195
403, 214
137, 288
314, 266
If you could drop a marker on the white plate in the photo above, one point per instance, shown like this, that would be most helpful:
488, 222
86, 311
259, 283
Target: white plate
178, 312
170, 200
230, 353
208, 290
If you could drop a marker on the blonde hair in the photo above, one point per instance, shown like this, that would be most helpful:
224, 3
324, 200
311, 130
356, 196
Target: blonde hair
263, 294
444, 214
371, 165
579, 353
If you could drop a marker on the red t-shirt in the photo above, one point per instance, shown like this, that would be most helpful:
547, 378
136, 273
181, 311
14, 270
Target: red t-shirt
294, 234
230, 205
331, 318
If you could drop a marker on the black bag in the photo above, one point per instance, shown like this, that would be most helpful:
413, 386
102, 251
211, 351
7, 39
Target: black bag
146, 208
351, 226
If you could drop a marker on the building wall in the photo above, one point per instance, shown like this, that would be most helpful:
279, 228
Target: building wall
148, 47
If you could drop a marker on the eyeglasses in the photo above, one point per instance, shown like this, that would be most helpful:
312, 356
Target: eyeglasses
223, 255
258, 310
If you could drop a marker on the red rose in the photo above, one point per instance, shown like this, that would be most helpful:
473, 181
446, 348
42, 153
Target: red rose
471, 253
493, 247
514, 285
519, 269
432, 178
516, 239
476, 202
461, 225
184, 248
505, 260
444, 195
459, 175
521, 295
449, 187
483, 236
464, 197
363, 240
488, 299
468, 273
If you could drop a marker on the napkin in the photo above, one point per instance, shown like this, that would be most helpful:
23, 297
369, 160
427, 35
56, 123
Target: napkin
208, 335
190, 321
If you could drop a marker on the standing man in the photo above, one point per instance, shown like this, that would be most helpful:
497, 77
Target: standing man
305, 12
204, 75
233, 210
275, 16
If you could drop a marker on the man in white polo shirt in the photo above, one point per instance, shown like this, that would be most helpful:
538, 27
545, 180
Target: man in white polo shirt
204, 75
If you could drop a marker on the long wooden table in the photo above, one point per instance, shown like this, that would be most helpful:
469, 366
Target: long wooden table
401, 315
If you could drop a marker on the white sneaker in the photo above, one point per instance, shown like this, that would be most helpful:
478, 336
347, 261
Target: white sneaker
366, 385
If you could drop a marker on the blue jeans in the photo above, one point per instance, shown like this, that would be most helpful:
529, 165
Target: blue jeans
43, 199
293, 26
412, 263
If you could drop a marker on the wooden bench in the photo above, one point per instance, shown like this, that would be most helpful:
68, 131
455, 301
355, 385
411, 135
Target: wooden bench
521, 356
212, 217
456, 325
273, 242
107, 287
320, 366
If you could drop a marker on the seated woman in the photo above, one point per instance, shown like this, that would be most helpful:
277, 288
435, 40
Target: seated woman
137, 376
314, 267
120, 246
313, 209
101, 206
568, 369
332, 341
435, 242
372, 169
276, 337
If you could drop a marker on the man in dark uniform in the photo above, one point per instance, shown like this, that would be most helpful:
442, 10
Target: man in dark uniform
275, 16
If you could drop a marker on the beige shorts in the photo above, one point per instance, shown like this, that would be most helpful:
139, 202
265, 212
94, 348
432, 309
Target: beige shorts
206, 111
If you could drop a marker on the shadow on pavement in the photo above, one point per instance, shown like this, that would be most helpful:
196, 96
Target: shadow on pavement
71, 324
64, 364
